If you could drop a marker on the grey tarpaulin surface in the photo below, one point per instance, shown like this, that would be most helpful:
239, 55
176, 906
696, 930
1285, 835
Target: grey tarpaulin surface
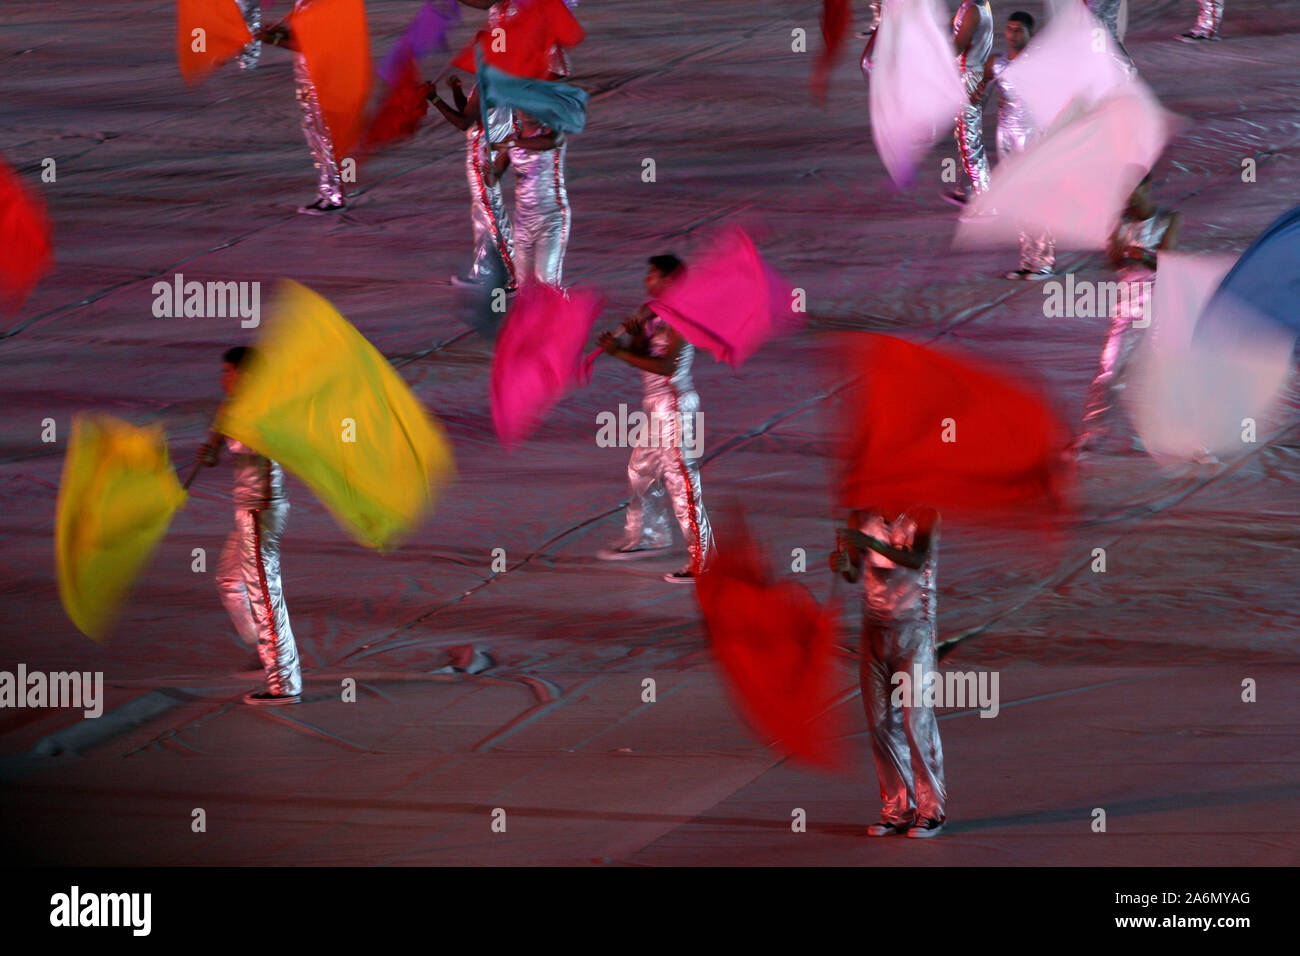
1119, 690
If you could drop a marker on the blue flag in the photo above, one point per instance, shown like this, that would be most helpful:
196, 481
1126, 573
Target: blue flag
557, 105
1266, 279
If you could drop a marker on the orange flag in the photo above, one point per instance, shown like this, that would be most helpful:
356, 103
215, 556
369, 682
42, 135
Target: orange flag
208, 33
332, 36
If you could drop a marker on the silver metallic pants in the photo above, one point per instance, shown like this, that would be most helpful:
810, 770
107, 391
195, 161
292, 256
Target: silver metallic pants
904, 740
1210, 19
1037, 252
1122, 340
248, 577
493, 235
874, 7
541, 213
317, 134
664, 474
970, 135
251, 10
1107, 11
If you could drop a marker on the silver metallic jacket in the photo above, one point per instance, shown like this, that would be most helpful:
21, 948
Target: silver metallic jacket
542, 216
665, 473
898, 636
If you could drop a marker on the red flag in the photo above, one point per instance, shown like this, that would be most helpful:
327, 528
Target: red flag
208, 33
923, 426
530, 32
775, 644
400, 113
836, 17
538, 355
332, 36
25, 237
730, 301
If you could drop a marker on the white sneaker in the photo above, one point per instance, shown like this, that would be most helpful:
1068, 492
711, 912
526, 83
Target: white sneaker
885, 828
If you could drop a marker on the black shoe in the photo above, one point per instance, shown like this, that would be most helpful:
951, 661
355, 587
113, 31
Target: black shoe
957, 197
322, 208
684, 576
1191, 37
266, 699
926, 828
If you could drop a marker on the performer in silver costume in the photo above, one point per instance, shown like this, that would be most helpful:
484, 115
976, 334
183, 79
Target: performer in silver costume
493, 231
1015, 132
1108, 12
972, 30
251, 11
896, 555
329, 182
542, 217
664, 470
248, 574
1143, 232
1208, 22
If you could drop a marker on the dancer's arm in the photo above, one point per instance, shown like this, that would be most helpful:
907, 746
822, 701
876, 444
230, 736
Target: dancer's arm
541, 142
966, 32
460, 118
458, 93
663, 365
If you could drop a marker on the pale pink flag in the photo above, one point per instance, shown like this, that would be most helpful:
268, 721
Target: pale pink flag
1075, 181
539, 356
1071, 66
1191, 396
915, 88
730, 301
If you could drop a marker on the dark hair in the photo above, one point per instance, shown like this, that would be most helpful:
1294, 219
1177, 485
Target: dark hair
1021, 17
238, 355
667, 264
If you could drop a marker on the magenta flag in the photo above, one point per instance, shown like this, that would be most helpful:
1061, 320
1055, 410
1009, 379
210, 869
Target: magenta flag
539, 356
730, 301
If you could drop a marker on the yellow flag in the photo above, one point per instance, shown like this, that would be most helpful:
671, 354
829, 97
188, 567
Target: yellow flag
116, 499
323, 402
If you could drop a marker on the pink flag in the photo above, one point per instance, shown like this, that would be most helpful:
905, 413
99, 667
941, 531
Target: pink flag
915, 89
729, 302
538, 355
1072, 61
1189, 395
1074, 182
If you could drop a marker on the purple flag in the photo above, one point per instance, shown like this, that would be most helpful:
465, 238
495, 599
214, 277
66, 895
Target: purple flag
427, 32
